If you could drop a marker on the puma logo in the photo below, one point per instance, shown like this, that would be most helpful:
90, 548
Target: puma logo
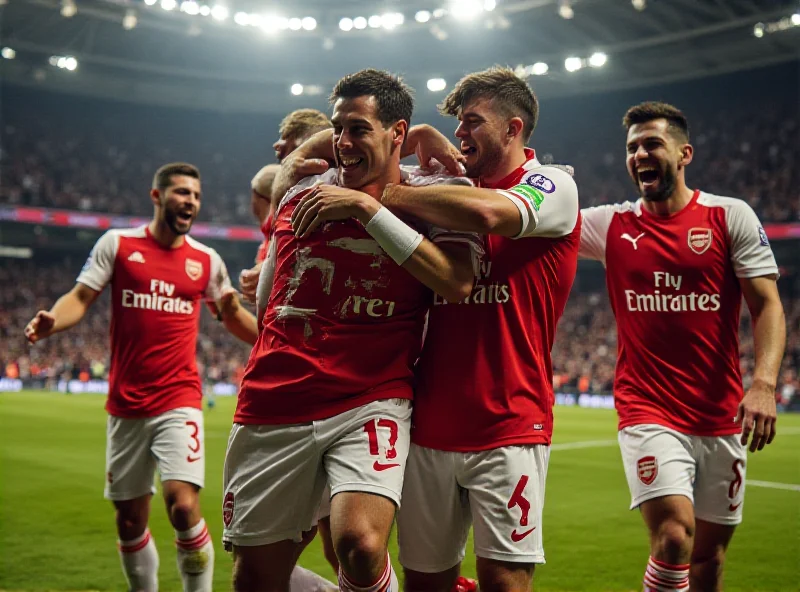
627, 236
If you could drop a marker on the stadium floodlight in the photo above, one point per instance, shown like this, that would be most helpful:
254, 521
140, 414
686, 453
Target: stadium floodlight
190, 7
437, 84
466, 9
489, 5
639, 4
150, 2
422, 16
539, 69
219, 12
573, 64
796, 19
346, 24
360, 22
390, 20
8, 53
205, 10
598, 59
565, 10
241, 18
375, 21
309, 23
283, 23
70, 63
168, 4
295, 24
130, 20
297, 89
758, 30
68, 8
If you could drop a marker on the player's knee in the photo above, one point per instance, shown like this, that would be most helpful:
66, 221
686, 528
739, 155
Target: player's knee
707, 563
675, 539
502, 576
131, 518
182, 512
360, 550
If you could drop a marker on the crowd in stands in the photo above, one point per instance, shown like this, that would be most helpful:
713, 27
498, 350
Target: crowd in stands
583, 357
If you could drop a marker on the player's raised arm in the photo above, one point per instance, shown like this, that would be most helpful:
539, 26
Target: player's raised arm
66, 312
237, 320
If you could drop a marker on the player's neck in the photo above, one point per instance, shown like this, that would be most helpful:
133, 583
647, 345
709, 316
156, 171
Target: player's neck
673, 204
164, 236
376, 188
515, 159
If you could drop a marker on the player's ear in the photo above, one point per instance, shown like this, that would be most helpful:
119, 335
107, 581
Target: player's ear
687, 153
155, 197
515, 126
399, 132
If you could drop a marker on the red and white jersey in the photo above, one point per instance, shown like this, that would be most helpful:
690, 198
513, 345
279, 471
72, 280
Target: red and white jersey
155, 295
343, 323
484, 379
266, 228
674, 288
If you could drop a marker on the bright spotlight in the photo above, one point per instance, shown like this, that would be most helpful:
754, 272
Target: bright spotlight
205, 10
70, 63
565, 9
360, 22
346, 24
439, 13
241, 18
68, 8
466, 9
219, 12
390, 20
539, 69
168, 4
297, 89
489, 5
758, 30
598, 59
283, 23
190, 7
130, 20
639, 4
573, 64
295, 24
309, 23
150, 2
436, 84
796, 19
8, 53
375, 21
423, 16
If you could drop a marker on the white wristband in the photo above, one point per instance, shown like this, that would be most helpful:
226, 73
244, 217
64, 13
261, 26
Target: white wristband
394, 236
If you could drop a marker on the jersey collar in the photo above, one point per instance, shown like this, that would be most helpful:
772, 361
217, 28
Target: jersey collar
512, 178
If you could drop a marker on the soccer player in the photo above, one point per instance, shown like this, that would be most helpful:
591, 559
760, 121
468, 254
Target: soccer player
158, 277
326, 393
677, 263
486, 363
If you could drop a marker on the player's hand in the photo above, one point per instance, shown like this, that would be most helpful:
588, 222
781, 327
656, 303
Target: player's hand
329, 202
41, 326
248, 282
297, 166
758, 415
430, 144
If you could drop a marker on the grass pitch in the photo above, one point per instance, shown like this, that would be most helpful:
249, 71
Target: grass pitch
57, 531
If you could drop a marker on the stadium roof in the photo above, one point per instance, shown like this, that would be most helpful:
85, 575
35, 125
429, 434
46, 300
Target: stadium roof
250, 55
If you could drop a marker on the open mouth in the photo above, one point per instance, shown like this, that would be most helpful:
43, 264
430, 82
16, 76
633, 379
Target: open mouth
185, 216
468, 150
647, 175
350, 162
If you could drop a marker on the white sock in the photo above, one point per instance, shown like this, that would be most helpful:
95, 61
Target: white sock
195, 558
663, 577
139, 559
304, 580
386, 583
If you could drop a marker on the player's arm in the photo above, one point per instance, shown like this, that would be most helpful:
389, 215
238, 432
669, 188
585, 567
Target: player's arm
547, 209
448, 266
65, 313
594, 230
239, 321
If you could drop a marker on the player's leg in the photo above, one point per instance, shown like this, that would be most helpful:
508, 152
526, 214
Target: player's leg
273, 480
433, 522
719, 497
365, 457
179, 448
324, 529
129, 486
506, 492
660, 469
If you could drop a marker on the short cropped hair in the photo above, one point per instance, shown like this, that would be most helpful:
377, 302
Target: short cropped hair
652, 110
394, 97
163, 177
303, 123
507, 90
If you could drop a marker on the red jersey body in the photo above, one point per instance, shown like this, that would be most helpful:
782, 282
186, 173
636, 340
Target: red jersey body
673, 283
485, 375
266, 228
343, 324
155, 297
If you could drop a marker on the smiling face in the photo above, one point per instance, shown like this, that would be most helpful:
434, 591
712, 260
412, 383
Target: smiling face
179, 203
365, 149
482, 131
656, 157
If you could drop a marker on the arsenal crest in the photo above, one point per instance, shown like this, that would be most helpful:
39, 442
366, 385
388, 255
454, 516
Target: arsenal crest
194, 269
227, 509
647, 468
700, 239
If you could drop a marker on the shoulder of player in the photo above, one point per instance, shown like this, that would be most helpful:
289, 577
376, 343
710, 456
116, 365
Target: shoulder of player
329, 177
415, 176
111, 238
202, 248
550, 180
729, 204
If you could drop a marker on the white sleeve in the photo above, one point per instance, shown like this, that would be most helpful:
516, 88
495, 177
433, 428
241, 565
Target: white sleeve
547, 200
751, 254
219, 283
265, 280
99, 267
594, 232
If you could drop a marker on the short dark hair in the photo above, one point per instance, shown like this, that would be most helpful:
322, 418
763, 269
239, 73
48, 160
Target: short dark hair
394, 97
163, 177
678, 125
303, 123
507, 90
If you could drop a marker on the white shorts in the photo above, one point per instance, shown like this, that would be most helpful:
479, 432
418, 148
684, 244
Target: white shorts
709, 470
171, 442
324, 510
500, 491
274, 475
